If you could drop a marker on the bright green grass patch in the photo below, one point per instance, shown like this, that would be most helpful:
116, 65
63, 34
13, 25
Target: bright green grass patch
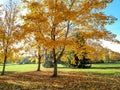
107, 65
100, 71
20, 68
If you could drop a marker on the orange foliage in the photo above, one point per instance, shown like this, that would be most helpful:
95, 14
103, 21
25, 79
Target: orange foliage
54, 22
9, 32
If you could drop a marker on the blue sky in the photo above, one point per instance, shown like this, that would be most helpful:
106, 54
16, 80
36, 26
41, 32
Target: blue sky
114, 10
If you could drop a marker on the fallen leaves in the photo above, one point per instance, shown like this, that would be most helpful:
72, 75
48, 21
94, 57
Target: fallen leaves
65, 81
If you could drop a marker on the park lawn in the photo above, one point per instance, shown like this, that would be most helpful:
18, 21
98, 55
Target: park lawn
20, 68
25, 77
106, 69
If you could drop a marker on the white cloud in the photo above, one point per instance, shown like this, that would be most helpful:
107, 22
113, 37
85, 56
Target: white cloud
118, 37
111, 45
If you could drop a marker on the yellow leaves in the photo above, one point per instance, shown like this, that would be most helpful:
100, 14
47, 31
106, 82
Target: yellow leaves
100, 16
33, 59
54, 44
53, 23
114, 55
34, 5
1, 56
36, 13
84, 45
95, 4
9, 34
64, 58
51, 4
25, 0
73, 62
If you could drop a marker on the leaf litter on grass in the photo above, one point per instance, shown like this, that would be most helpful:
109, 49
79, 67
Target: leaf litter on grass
65, 81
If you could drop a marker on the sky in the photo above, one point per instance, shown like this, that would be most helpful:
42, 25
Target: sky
113, 9
111, 45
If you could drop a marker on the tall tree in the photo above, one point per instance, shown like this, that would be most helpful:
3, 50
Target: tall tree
87, 46
91, 43
61, 18
8, 32
34, 49
34, 26
114, 56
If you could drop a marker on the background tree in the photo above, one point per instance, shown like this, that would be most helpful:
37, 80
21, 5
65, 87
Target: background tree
8, 33
114, 56
34, 49
32, 30
88, 46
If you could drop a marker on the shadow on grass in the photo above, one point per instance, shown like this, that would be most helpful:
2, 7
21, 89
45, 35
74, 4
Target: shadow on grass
9, 64
7, 72
105, 68
64, 67
89, 68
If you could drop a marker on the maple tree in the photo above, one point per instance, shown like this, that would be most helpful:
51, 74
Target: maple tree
87, 47
34, 49
90, 43
114, 55
32, 31
8, 33
57, 20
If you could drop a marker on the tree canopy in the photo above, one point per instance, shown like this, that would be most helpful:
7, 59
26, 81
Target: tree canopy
53, 23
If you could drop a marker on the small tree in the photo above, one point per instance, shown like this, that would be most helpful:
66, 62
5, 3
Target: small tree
33, 49
8, 33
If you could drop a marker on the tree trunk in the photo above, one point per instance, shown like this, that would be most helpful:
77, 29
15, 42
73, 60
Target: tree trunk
55, 68
55, 64
4, 64
39, 62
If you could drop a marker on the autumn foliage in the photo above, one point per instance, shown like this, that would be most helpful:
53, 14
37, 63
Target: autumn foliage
53, 23
9, 33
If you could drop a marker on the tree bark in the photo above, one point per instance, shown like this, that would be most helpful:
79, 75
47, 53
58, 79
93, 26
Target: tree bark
55, 69
4, 64
55, 64
39, 62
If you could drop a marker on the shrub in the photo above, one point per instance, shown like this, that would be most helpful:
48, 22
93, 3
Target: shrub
48, 64
26, 61
48, 61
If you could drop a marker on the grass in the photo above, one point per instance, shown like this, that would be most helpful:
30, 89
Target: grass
25, 77
20, 68
106, 69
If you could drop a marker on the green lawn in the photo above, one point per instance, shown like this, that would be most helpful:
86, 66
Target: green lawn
107, 69
20, 68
